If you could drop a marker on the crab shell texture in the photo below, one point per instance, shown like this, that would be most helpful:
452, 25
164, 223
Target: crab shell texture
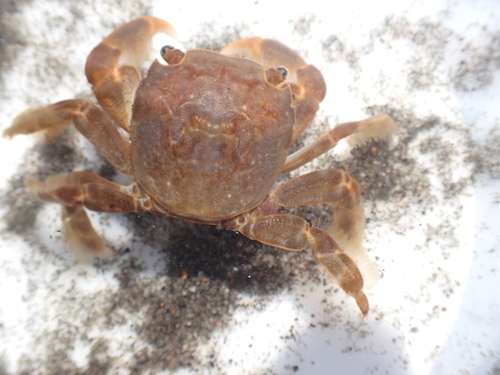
204, 139
209, 135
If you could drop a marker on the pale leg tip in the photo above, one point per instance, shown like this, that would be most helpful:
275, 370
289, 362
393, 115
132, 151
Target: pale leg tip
80, 236
34, 186
86, 255
376, 127
362, 303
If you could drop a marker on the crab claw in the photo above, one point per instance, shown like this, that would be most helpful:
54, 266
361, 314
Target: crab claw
112, 66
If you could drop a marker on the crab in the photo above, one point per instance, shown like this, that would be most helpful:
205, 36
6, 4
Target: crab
204, 136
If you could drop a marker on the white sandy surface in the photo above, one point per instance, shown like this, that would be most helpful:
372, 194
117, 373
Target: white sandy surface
432, 195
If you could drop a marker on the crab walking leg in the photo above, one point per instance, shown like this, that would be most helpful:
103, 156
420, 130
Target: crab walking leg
89, 120
80, 236
306, 82
112, 66
329, 186
77, 190
293, 233
378, 126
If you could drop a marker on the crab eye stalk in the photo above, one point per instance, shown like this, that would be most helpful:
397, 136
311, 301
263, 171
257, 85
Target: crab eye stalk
277, 75
171, 55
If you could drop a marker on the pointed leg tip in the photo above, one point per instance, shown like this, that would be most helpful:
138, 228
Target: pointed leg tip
363, 304
106, 252
87, 255
8, 133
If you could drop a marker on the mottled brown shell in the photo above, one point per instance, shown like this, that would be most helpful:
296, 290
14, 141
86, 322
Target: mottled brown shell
209, 135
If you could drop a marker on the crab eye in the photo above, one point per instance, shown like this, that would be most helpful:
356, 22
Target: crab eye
277, 75
165, 48
284, 72
171, 55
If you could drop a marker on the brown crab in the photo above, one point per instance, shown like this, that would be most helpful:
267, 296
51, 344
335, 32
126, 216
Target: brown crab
204, 139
